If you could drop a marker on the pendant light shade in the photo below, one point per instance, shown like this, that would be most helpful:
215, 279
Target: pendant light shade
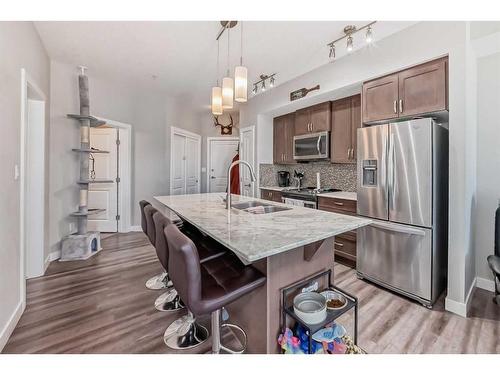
227, 93
216, 101
240, 84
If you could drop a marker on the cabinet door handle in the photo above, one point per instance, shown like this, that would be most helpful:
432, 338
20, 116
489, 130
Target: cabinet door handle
338, 244
348, 153
400, 105
395, 106
338, 203
312, 126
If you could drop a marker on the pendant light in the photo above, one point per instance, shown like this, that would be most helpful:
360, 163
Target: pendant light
241, 75
217, 92
227, 83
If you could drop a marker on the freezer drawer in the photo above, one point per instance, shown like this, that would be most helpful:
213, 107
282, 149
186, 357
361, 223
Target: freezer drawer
399, 256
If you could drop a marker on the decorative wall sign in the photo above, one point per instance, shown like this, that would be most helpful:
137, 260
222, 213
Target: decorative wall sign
301, 93
224, 129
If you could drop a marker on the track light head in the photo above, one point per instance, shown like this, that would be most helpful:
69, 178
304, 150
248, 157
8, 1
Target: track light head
349, 44
271, 81
332, 51
369, 35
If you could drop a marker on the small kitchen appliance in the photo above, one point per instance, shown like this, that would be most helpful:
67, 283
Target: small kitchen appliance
283, 178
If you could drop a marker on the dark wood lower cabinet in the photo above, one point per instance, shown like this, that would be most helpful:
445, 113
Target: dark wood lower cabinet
271, 195
344, 244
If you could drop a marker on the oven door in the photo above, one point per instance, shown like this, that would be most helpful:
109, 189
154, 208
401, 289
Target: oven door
314, 146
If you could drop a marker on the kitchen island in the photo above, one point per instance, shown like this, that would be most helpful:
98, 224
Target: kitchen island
287, 244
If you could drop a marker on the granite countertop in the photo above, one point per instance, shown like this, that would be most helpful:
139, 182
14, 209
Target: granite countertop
257, 236
349, 195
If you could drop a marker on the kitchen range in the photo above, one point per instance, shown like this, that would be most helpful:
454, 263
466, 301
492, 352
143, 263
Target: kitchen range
304, 197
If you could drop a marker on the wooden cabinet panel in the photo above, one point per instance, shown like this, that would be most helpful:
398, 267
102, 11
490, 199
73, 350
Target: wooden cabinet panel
302, 121
341, 136
279, 143
355, 124
380, 98
345, 250
271, 195
422, 89
321, 117
283, 131
343, 206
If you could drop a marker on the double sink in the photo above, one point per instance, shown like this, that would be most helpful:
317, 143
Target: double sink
256, 207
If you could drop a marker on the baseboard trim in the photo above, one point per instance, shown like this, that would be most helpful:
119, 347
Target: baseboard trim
46, 263
11, 324
485, 284
461, 308
135, 228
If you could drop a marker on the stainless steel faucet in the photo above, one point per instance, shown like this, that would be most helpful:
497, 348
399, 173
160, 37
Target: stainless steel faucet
252, 178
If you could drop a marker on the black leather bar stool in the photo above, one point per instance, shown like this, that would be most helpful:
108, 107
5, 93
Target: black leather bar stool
156, 223
205, 288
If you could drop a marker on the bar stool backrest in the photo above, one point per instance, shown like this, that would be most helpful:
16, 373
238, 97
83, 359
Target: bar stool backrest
142, 205
184, 265
149, 211
161, 245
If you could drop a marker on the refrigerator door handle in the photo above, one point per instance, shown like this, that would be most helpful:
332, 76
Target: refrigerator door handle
398, 228
390, 179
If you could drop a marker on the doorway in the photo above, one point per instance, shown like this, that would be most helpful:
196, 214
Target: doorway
115, 166
247, 153
185, 154
220, 153
32, 184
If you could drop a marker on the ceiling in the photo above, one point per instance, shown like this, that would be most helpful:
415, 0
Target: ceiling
179, 57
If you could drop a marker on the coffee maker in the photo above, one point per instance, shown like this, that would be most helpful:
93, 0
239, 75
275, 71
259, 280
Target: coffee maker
283, 178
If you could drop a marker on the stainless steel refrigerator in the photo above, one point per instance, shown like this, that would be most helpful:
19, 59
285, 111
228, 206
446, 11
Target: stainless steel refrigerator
403, 186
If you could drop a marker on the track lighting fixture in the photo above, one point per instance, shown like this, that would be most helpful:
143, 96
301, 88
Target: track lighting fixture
369, 35
262, 83
349, 32
349, 44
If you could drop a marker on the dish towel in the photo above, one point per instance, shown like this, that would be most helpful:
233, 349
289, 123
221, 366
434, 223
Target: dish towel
235, 177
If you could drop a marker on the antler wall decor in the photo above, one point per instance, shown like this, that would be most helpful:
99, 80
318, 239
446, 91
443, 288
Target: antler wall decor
224, 129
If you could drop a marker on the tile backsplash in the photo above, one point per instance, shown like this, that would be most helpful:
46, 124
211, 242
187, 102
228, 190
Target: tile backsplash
339, 176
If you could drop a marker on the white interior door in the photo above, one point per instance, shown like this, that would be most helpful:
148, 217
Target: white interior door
178, 172
247, 153
185, 163
192, 161
34, 188
222, 152
106, 167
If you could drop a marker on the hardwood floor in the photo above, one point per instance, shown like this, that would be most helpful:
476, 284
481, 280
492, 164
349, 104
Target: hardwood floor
102, 306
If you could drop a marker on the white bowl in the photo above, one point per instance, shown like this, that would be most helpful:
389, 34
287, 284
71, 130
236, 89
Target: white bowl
310, 307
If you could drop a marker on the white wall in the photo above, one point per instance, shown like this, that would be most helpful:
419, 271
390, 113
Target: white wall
150, 113
20, 47
419, 43
488, 160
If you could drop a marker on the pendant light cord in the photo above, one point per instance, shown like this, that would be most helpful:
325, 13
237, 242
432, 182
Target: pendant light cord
228, 34
241, 43
218, 49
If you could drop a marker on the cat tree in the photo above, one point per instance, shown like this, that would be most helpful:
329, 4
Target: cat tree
83, 244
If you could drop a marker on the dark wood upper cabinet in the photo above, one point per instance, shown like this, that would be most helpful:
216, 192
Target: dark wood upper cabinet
316, 118
321, 117
302, 121
413, 91
346, 119
355, 124
283, 131
380, 99
422, 89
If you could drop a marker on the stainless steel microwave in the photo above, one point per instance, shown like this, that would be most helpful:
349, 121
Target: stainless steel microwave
314, 146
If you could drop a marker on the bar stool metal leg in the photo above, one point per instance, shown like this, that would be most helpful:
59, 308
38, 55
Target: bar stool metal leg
185, 333
158, 282
216, 335
169, 301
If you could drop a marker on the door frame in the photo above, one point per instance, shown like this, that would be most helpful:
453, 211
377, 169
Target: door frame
256, 172
209, 149
28, 83
125, 173
185, 133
